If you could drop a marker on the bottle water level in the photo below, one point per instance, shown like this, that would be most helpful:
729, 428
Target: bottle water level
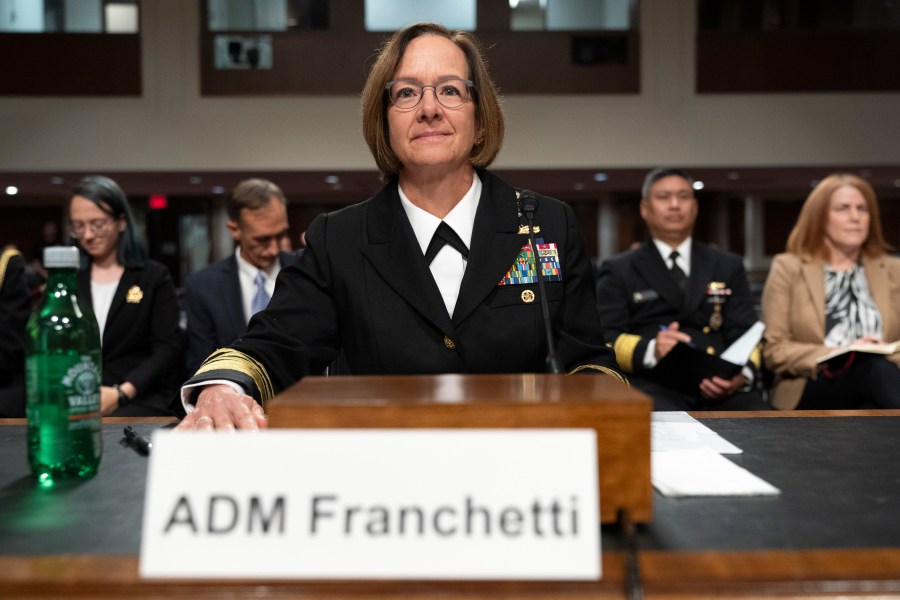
61, 450
64, 435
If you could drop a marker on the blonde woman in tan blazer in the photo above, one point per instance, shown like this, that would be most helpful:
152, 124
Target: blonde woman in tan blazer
836, 286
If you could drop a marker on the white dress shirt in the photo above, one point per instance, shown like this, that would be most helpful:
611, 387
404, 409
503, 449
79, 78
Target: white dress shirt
683, 261
247, 279
449, 266
101, 299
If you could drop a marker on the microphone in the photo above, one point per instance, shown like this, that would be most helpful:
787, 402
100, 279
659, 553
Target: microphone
529, 206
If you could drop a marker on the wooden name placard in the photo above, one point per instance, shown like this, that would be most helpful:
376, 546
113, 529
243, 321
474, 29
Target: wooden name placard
619, 414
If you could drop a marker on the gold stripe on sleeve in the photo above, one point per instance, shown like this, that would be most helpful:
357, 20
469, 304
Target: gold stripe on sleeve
233, 360
4, 262
602, 369
624, 347
756, 356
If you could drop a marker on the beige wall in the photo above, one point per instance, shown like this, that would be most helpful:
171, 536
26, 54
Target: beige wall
172, 128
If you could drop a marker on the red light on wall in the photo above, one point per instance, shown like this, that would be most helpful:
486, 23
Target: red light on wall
158, 202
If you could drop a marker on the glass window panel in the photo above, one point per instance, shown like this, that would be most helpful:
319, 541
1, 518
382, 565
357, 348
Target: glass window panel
69, 16
391, 15
266, 15
241, 15
121, 18
83, 16
243, 52
571, 15
527, 15
21, 17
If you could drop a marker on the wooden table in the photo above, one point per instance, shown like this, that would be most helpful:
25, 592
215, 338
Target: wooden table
34, 564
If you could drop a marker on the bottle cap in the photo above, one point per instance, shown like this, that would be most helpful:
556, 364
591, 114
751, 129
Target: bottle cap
61, 257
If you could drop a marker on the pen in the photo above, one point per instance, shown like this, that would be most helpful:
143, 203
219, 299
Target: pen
666, 328
141, 444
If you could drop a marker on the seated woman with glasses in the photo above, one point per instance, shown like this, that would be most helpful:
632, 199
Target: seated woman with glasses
435, 273
133, 299
835, 288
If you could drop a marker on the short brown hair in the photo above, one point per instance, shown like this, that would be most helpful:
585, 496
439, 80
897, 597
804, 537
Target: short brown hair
252, 194
807, 238
488, 114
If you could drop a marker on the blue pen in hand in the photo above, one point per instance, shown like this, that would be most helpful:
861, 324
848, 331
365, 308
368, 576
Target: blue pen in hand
666, 328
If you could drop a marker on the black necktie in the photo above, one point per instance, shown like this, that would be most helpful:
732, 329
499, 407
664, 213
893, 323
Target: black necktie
445, 235
677, 274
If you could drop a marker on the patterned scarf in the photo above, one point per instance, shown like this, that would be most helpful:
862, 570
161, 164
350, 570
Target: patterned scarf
850, 312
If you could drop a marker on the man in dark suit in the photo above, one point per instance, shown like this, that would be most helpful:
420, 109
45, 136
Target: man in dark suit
221, 298
675, 289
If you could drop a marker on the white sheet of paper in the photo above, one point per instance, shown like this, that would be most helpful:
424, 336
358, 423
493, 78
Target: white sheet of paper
679, 431
739, 352
703, 472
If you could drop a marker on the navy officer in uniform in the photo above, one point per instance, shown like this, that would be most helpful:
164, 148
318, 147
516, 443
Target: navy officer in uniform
675, 289
435, 273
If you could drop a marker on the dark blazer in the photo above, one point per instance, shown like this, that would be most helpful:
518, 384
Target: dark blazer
215, 310
141, 342
15, 306
637, 294
363, 287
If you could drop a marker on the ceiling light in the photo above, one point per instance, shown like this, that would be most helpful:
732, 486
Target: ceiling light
600, 177
218, 189
57, 180
195, 180
12, 190
698, 185
332, 179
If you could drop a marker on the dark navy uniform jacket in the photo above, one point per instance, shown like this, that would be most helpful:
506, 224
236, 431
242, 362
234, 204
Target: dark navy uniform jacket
363, 288
636, 294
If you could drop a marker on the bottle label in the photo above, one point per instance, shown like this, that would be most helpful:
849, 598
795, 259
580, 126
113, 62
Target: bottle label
82, 384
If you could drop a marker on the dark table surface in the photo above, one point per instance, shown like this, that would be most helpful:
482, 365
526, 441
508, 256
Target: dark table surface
839, 477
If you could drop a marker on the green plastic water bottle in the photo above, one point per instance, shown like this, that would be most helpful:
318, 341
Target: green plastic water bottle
63, 372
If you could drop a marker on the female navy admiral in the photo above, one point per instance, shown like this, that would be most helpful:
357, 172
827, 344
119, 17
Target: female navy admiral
367, 285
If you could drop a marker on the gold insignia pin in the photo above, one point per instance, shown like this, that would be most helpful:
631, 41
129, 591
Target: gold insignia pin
134, 295
527, 296
448, 343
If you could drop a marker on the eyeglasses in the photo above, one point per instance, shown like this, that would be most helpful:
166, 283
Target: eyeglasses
451, 93
97, 227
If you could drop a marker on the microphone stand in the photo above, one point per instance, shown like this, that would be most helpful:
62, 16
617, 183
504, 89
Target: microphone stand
529, 206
